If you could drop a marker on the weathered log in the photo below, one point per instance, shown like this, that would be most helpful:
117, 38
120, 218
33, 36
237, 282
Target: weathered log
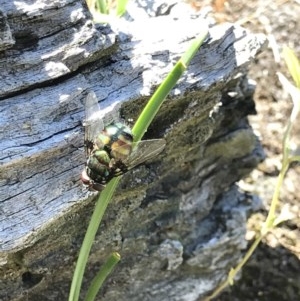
178, 221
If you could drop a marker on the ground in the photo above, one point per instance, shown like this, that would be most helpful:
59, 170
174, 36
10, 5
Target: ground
273, 273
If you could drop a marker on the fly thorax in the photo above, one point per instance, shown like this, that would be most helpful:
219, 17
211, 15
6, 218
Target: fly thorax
121, 150
121, 139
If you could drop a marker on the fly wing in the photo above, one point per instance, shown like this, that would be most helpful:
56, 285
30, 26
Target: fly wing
93, 122
143, 151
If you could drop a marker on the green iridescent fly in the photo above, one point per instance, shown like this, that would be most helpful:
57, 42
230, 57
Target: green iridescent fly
110, 149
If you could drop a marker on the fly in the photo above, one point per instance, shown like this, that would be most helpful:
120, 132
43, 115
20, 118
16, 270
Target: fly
110, 149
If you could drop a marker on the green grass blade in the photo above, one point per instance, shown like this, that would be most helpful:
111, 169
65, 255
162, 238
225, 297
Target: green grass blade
164, 89
105, 270
295, 95
102, 6
156, 101
293, 64
121, 7
138, 130
89, 238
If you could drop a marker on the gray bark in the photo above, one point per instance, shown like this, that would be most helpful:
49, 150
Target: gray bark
177, 221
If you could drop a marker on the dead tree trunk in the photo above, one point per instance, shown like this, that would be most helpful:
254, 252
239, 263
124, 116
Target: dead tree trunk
179, 221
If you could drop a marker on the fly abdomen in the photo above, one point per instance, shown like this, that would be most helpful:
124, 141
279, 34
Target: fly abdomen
98, 163
97, 168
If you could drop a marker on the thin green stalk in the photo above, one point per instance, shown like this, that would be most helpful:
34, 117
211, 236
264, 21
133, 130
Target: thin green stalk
105, 270
271, 220
121, 7
138, 131
229, 280
156, 101
269, 223
89, 238
164, 89
292, 63
102, 6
